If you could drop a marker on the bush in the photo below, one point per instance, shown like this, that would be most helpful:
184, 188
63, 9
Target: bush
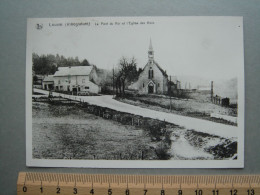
224, 150
162, 153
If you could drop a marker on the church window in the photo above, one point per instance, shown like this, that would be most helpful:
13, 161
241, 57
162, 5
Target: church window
150, 73
158, 84
143, 84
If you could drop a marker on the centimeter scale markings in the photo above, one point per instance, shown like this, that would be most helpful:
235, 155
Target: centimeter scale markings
94, 184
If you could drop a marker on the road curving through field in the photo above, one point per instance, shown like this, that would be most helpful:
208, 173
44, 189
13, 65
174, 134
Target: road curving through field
218, 129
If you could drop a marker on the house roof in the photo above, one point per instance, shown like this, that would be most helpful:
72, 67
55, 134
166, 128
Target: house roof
40, 76
48, 78
73, 70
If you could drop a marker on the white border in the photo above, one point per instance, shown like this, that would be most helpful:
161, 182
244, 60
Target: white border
239, 163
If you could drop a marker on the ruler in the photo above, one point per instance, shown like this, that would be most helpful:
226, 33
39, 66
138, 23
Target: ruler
94, 184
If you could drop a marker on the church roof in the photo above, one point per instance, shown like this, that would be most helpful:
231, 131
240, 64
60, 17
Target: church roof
159, 67
73, 70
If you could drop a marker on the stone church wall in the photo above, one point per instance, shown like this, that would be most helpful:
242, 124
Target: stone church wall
159, 80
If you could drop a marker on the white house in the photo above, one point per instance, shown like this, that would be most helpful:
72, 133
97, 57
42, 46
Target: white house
77, 79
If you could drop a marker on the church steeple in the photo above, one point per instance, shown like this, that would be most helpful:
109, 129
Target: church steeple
151, 46
150, 52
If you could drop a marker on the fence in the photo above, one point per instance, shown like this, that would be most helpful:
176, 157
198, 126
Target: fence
220, 101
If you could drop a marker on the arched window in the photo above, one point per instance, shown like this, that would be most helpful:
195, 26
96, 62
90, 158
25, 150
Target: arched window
150, 73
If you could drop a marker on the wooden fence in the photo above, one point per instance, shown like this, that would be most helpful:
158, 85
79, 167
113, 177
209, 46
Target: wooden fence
220, 101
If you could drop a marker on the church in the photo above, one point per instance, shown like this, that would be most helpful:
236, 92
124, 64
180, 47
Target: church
153, 79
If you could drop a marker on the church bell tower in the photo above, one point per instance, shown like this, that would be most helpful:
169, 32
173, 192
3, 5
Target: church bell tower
150, 52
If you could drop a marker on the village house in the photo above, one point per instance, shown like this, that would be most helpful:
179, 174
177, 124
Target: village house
48, 82
153, 79
76, 79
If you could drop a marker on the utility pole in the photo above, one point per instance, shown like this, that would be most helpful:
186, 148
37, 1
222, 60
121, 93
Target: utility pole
170, 94
113, 82
178, 87
211, 91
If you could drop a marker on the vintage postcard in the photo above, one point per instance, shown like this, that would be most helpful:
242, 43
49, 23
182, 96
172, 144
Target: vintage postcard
135, 92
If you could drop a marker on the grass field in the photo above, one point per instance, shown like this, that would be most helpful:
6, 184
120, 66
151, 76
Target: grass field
63, 132
187, 107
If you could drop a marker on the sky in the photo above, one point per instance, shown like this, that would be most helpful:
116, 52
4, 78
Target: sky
206, 47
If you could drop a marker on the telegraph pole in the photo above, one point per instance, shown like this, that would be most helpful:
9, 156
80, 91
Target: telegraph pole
211, 91
170, 94
113, 82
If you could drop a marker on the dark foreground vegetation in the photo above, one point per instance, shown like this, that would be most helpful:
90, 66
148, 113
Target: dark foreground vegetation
224, 148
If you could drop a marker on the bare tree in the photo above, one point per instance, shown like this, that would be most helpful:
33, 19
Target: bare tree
126, 74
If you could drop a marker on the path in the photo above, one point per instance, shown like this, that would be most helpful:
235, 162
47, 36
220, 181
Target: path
199, 125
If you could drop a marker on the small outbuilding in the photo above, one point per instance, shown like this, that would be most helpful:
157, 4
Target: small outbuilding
48, 83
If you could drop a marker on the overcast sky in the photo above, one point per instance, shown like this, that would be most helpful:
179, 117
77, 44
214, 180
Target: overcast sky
209, 47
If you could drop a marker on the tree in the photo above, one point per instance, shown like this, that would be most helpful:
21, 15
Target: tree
127, 73
63, 62
48, 64
35, 79
44, 65
85, 63
139, 71
76, 61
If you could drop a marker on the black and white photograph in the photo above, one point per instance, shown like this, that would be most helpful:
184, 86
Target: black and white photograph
135, 92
